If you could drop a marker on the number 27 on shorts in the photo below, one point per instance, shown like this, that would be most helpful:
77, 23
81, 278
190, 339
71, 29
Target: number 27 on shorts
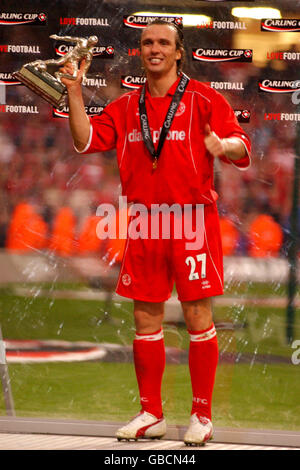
197, 263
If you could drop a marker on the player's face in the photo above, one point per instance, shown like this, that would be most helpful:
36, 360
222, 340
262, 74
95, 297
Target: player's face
158, 49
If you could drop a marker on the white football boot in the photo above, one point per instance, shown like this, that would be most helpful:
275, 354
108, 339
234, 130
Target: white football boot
142, 426
199, 431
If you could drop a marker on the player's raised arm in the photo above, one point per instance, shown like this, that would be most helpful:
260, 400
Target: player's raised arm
78, 119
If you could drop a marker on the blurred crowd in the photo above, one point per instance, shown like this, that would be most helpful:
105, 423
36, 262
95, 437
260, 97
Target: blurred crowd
49, 193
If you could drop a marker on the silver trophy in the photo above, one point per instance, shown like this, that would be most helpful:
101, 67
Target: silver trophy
43, 76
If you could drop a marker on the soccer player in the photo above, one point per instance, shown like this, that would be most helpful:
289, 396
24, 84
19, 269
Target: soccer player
167, 135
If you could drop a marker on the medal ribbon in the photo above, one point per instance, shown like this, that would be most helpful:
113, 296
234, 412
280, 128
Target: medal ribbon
146, 133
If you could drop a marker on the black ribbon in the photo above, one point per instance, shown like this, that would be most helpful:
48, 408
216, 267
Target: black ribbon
146, 133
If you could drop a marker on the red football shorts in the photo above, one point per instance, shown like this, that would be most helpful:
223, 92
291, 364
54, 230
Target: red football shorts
187, 253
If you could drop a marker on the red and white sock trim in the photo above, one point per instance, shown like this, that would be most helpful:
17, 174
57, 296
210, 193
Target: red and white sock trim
205, 335
156, 336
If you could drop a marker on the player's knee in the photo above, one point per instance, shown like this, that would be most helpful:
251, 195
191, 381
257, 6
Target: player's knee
148, 316
197, 314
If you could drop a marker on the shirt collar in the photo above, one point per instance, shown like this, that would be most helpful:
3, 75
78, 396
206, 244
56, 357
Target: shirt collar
171, 90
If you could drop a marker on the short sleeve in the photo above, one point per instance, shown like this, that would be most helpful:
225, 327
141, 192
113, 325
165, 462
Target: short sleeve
102, 135
225, 124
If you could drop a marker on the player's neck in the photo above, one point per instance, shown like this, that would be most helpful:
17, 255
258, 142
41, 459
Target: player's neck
159, 85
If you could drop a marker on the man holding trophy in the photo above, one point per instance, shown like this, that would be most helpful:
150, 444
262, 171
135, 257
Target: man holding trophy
195, 124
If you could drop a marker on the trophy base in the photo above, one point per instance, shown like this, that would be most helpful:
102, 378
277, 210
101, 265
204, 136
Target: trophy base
42, 83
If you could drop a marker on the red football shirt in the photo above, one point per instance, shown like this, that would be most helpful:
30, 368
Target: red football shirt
184, 174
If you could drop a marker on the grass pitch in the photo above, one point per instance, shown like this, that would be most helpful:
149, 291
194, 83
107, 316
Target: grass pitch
257, 387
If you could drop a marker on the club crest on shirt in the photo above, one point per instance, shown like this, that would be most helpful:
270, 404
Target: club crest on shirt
181, 109
126, 279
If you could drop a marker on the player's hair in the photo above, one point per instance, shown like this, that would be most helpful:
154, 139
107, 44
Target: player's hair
179, 39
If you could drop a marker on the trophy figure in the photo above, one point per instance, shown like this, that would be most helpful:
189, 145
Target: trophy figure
43, 76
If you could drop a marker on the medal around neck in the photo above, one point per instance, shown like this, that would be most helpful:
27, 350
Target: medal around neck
43, 76
145, 127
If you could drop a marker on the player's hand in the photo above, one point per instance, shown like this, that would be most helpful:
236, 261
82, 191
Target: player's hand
213, 143
231, 147
69, 69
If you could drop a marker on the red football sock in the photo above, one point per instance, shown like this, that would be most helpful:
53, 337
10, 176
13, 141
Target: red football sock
149, 361
203, 360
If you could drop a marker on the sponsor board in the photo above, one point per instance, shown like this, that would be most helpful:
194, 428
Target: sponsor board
238, 86
293, 117
18, 108
41, 351
84, 21
136, 81
222, 55
132, 82
283, 55
280, 25
225, 25
63, 112
96, 82
134, 52
17, 18
279, 86
242, 115
6, 78
104, 52
140, 22
20, 48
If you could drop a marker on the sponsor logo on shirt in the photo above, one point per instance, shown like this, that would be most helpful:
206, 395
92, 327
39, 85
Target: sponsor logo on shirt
174, 135
222, 55
279, 25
